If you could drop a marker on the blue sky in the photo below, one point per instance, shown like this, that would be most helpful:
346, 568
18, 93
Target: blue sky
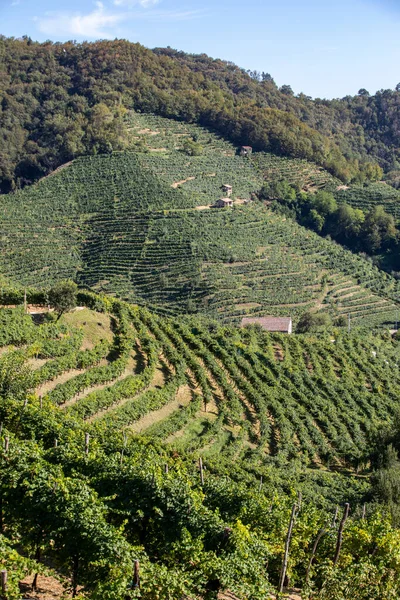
324, 48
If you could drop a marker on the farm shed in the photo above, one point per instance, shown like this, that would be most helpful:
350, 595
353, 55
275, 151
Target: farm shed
273, 324
223, 203
227, 189
245, 150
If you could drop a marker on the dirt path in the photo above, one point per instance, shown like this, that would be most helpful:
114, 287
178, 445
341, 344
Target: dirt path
178, 183
182, 398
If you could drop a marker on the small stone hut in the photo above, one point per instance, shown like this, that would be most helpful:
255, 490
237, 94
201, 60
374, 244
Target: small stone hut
273, 324
223, 203
245, 150
227, 189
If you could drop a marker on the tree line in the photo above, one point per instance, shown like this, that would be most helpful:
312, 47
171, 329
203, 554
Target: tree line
59, 101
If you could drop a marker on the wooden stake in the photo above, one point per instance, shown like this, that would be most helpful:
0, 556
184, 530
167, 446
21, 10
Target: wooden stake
340, 533
166, 469
261, 483
136, 575
363, 511
55, 443
25, 305
287, 547
201, 471
6, 444
299, 500
41, 402
87, 438
3, 578
321, 532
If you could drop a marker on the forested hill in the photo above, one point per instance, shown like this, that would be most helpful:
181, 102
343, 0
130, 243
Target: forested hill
59, 101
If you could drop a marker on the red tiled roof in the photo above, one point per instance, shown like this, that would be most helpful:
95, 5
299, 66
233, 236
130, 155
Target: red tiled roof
268, 323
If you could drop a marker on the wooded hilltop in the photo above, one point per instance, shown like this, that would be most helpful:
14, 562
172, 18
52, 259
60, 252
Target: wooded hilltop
59, 101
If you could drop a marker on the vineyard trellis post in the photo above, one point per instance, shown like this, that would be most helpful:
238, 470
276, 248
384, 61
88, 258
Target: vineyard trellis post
321, 532
340, 533
285, 561
87, 440
135, 583
6, 444
3, 582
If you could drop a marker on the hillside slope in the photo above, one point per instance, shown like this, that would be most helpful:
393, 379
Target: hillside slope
201, 386
89, 86
106, 413
130, 224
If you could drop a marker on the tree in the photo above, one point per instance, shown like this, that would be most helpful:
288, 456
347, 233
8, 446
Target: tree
62, 296
311, 322
379, 229
315, 220
287, 90
192, 148
324, 203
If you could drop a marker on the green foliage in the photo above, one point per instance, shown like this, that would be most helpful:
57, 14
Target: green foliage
41, 131
62, 296
312, 322
271, 405
192, 148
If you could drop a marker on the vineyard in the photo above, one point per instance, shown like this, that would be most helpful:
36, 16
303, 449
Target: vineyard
126, 224
371, 195
114, 405
208, 386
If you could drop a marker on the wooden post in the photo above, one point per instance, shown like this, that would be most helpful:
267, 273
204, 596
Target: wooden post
55, 443
201, 471
166, 469
25, 304
25, 402
136, 575
1, 428
321, 532
261, 483
363, 511
6, 444
299, 500
287, 547
41, 402
340, 533
3, 578
87, 438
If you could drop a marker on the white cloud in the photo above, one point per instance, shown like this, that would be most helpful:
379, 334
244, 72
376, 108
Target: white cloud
132, 3
97, 24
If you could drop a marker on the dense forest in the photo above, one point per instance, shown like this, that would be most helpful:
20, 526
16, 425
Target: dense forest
59, 101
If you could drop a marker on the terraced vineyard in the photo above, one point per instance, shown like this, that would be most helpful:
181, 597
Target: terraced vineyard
371, 195
127, 224
207, 387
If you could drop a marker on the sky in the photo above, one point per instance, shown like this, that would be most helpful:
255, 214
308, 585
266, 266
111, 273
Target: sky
323, 48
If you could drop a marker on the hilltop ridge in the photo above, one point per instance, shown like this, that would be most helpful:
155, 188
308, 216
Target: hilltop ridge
341, 136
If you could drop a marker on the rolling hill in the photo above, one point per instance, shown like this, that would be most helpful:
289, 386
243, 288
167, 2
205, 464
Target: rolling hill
139, 224
107, 411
